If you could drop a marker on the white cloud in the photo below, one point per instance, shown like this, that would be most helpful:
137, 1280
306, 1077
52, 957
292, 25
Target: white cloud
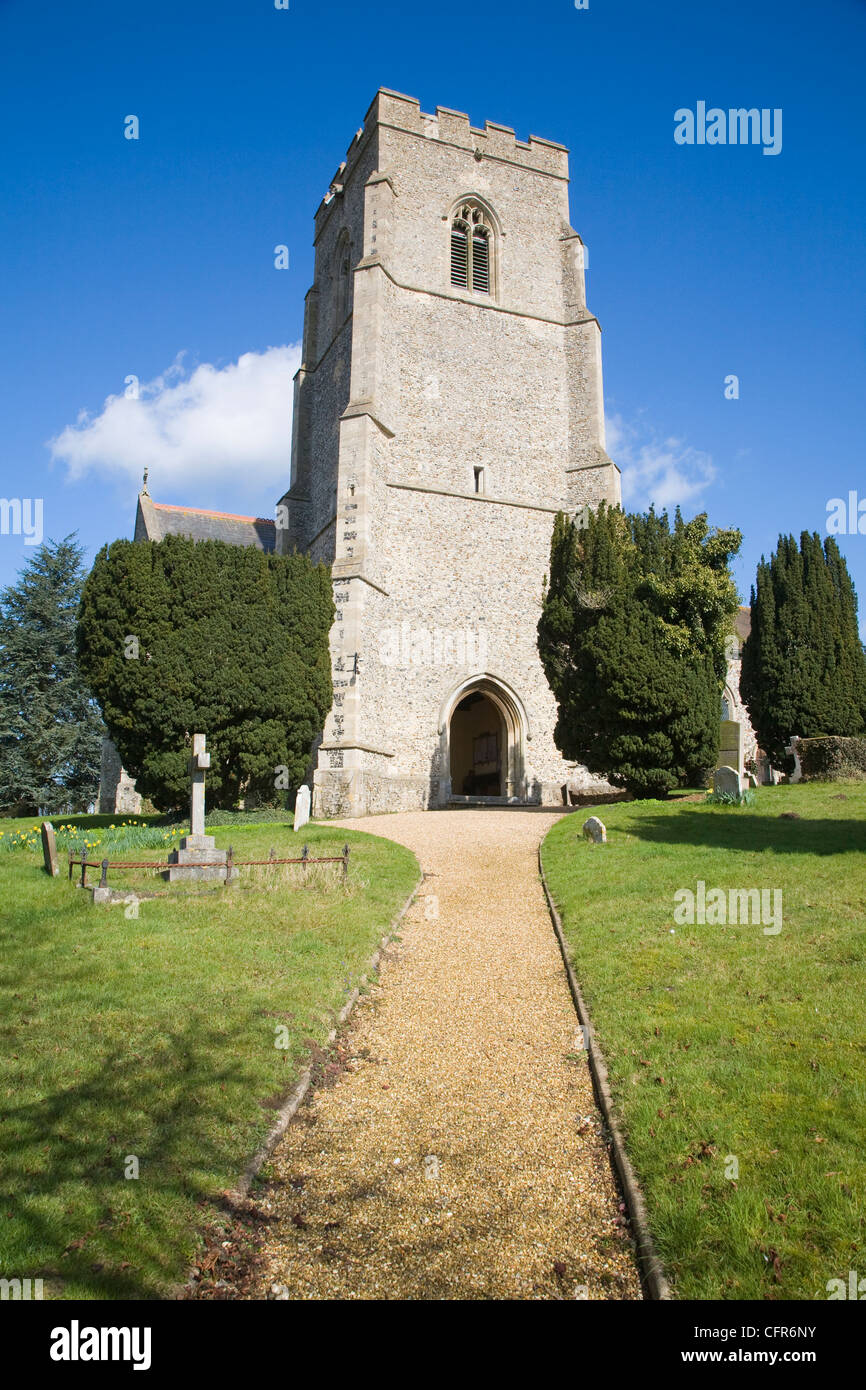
207, 427
665, 472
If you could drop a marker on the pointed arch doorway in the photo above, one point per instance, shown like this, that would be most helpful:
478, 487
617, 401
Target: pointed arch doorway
478, 747
484, 729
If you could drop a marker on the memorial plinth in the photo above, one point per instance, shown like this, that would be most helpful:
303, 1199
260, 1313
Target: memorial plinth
200, 854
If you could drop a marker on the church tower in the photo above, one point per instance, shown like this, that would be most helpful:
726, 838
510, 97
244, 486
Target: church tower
448, 404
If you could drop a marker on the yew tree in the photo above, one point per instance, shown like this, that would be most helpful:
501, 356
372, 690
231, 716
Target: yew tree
179, 637
632, 638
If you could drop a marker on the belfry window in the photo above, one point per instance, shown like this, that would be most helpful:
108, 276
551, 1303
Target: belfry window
471, 250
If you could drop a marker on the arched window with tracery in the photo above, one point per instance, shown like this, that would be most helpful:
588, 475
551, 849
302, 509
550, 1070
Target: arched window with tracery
472, 247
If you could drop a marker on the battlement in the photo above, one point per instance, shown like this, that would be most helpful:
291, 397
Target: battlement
495, 141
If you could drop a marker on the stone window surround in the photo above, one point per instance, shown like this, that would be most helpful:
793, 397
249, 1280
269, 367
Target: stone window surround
469, 217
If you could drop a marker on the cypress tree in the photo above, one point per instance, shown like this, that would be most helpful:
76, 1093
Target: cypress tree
50, 729
803, 670
179, 637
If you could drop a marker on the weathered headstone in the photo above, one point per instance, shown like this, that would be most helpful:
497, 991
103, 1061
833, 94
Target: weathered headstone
197, 849
727, 780
595, 830
302, 806
731, 746
49, 849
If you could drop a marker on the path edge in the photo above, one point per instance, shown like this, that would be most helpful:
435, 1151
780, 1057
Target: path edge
649, 1264
238, 1195
287, 1112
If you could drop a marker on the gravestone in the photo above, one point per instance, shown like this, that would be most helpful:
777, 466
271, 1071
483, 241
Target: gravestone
302, 806
49, 849
731, 747
197, 849
791, 748
595, 830
727, 780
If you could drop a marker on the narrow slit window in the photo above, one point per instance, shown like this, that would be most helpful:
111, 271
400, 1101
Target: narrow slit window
479, 479
341, 279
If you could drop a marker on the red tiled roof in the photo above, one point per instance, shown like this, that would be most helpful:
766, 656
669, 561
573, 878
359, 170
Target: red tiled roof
203, 511
156, 520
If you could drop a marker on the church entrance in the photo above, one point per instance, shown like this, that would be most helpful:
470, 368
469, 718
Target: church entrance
479, 747
483, 731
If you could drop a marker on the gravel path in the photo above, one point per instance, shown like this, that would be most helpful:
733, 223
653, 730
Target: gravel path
459, 1155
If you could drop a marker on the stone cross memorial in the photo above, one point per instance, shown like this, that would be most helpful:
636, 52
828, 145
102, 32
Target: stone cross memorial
196, 850
199, 761
791, 749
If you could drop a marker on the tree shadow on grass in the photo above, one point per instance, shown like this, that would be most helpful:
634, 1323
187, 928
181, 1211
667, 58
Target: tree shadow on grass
113, 1236
731, 828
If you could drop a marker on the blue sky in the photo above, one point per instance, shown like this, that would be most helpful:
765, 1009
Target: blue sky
154, 257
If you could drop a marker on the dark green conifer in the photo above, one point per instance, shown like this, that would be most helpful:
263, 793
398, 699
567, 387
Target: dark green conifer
50, 729
632, 638
182, 637
803, 670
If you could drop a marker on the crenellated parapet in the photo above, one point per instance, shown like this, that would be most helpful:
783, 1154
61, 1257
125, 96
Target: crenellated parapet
395, 111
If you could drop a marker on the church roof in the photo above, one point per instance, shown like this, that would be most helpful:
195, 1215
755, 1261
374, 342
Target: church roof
743, 622
155, 520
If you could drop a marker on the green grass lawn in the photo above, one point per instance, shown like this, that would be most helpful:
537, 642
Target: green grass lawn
154, 1037
731, 1050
